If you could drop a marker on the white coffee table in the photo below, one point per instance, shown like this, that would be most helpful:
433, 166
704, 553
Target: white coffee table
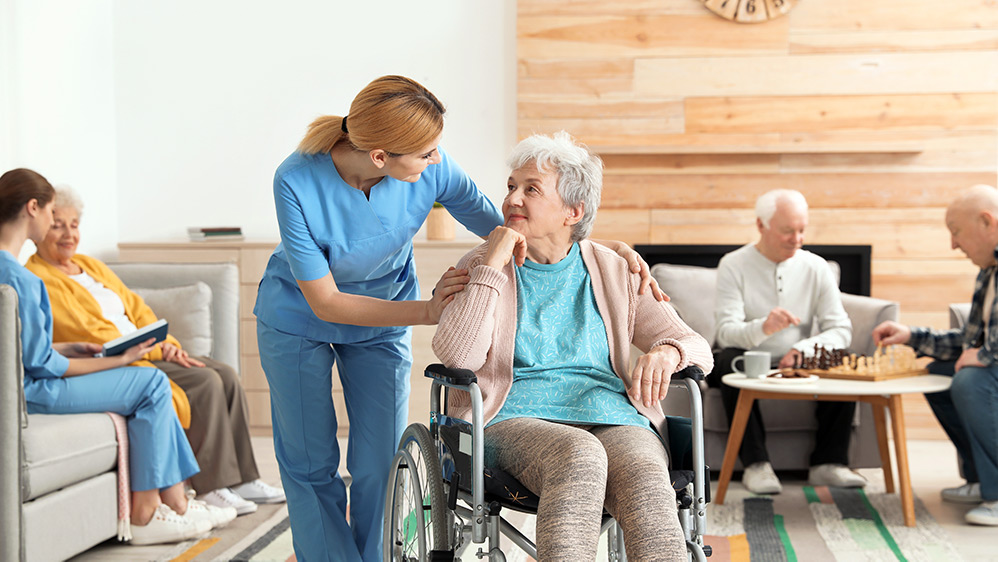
881, 395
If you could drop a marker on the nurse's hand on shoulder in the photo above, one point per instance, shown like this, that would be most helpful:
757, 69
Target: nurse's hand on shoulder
638, 265
505, 244
451, 283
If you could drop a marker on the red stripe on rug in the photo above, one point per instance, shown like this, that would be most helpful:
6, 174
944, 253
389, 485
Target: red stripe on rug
719, 546
824, 494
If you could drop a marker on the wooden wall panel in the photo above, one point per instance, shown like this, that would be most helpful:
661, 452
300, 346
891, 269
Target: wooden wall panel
785, 114
879, 112
815, 75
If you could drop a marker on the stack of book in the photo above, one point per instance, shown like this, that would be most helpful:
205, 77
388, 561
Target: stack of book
215, 233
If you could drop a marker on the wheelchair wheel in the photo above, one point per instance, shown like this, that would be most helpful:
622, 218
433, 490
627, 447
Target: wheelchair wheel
416, 518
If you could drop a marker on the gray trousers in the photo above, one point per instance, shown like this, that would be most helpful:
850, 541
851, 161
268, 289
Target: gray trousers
576, 471
219, 432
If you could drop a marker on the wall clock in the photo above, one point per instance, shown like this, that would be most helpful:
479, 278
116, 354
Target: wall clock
749, 11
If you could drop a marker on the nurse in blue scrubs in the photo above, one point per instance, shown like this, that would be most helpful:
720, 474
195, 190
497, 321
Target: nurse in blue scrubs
341, 289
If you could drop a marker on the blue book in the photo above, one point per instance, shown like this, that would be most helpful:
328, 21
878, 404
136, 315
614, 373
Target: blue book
118, 346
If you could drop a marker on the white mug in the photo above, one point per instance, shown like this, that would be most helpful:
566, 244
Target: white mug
755, 363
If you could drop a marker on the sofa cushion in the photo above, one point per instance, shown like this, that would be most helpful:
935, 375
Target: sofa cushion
692, 290
60, 450
188, 310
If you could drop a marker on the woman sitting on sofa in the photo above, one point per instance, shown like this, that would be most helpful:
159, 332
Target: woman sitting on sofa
65, 378
91, 304
547, 322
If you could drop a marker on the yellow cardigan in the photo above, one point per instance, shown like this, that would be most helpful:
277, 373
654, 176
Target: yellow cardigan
77, 317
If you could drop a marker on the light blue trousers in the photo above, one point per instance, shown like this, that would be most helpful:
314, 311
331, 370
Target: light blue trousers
159, 454
968, 411
375, 379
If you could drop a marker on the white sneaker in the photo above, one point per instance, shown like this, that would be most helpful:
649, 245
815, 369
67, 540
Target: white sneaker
759, 478
968, 493
259, 491
224, 497
834, 475
217, 516
984, 514
167, 526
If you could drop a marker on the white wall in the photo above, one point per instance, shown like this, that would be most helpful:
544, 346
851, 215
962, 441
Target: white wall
60, 105
212, 96
165, 115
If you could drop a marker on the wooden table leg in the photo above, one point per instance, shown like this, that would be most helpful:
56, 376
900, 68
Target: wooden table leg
880, 423
745, 400
901, 452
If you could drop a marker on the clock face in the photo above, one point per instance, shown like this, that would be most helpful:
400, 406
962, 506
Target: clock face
749, 11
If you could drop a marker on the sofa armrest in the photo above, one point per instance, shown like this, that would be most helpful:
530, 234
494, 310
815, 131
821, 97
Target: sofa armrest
223, 278
866, 313
958, 313
11, 415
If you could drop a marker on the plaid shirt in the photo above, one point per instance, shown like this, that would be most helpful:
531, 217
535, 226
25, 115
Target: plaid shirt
949, 344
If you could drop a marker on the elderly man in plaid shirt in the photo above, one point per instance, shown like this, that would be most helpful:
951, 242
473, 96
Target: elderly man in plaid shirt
968, 411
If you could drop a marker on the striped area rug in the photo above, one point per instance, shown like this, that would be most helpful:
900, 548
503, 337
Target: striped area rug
822, 523
269, 542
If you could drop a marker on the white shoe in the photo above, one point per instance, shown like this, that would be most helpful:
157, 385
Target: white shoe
201, 511
834, 475
759, 478
968, 493
224, 497
259, 491
984, 514
167, 526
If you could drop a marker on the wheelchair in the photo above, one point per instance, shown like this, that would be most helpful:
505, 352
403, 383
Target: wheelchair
441, 499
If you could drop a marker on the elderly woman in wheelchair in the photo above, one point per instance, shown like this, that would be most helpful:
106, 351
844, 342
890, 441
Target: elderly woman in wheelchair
546, 323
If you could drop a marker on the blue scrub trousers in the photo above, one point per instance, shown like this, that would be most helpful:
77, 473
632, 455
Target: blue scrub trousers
159, 454
375, 378
968, 412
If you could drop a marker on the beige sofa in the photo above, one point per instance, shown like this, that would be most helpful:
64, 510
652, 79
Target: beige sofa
58, 478
790, 425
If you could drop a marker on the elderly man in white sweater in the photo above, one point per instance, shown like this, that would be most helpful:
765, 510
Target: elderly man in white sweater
769, 295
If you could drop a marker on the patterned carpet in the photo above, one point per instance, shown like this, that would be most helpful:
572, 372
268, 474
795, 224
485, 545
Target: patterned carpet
822, 523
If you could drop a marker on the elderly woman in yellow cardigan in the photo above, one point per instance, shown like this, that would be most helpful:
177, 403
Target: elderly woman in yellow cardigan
91, 304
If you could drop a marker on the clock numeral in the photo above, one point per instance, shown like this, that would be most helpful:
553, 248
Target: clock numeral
750, 6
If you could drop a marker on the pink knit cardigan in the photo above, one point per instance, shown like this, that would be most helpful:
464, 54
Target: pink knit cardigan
477, 330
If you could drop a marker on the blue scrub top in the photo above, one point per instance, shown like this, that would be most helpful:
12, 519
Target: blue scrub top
329, 226
42, 364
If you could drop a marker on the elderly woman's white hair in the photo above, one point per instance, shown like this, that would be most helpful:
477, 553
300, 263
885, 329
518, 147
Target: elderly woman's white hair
580, 173
766, 204
67, 198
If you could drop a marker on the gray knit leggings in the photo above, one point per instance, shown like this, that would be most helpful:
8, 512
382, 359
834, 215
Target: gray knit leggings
576, 471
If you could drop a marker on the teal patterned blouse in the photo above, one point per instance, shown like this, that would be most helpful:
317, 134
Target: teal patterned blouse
561, 364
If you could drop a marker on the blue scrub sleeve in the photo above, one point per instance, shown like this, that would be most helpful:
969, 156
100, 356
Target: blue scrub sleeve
40, 360
304, 255
462, 198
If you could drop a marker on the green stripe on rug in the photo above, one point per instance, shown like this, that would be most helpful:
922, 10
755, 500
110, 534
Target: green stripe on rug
811, 495
888, 538
785, 538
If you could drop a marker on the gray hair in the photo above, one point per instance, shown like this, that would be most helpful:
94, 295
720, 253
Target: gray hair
580, 173
67, 198
766, 204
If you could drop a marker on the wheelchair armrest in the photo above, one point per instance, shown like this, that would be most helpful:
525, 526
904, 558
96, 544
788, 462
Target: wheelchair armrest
458, 377
691, 372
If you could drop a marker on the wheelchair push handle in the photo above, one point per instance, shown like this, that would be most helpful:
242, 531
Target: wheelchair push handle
449, 376
691, 372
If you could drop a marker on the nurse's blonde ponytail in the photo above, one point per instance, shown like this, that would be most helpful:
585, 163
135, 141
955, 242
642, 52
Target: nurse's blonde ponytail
393, 113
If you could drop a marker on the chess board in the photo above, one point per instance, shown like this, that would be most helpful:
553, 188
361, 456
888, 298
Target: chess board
891, 362
826, 374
